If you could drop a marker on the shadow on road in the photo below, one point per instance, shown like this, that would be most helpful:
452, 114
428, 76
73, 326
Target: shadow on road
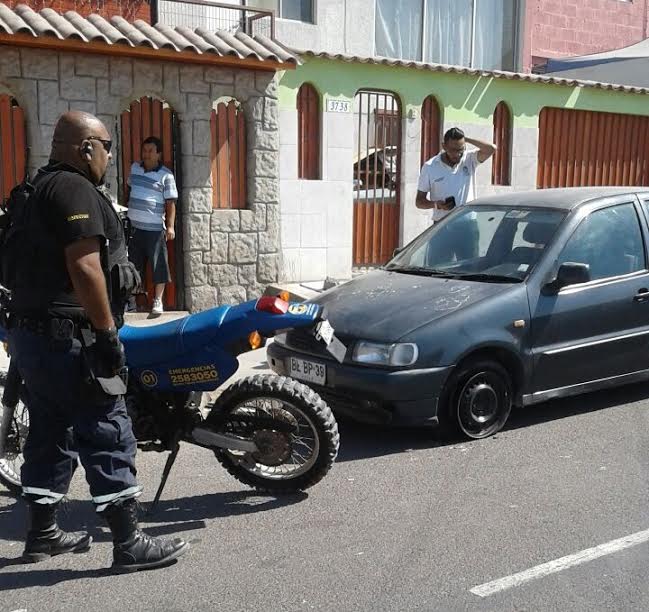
171, 515
362, 441
31, 577
198, 508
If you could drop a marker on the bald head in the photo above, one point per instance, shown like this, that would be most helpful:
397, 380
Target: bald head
75, 126
80, 140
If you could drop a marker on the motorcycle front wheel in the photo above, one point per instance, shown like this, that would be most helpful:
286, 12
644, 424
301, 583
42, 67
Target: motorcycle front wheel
294, 429
14, 426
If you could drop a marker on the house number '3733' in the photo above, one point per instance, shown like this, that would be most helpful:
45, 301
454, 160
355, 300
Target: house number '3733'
338, 106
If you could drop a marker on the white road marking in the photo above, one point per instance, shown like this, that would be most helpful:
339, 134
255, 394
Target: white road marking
558, 565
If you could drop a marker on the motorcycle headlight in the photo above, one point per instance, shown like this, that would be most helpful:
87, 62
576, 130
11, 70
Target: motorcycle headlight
373, 353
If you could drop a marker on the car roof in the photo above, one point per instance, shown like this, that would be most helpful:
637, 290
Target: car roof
564, 198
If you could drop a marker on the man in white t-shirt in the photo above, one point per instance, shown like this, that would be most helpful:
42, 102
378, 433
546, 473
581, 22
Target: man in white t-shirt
451, 173
448, 179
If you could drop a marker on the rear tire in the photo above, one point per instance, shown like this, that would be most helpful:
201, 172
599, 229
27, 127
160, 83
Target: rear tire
11, 458
290, 402
476, 401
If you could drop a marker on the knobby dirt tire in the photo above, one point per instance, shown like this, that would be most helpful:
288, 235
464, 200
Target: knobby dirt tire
305, 400
8, 477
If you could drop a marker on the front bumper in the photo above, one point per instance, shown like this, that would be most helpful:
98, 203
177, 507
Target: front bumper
397, 397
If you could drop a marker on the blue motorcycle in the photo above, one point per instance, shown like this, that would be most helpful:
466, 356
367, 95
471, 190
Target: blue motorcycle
272, 433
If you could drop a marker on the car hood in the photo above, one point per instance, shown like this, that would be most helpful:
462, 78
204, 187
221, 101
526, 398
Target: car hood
386, 305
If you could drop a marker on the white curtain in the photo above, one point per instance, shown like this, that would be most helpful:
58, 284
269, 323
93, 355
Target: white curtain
495, 32
448, 32
398, 28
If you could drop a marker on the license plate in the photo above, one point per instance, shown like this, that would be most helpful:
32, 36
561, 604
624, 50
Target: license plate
307, 370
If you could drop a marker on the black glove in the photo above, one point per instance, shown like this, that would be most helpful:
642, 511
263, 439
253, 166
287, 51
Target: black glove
125, 279
109, 351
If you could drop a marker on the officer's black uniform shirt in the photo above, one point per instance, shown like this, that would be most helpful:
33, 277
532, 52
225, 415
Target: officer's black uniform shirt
73, 209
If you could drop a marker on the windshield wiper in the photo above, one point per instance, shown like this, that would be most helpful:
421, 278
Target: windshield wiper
421, 271
488, 278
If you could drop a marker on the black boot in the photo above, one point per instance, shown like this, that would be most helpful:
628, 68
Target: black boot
45, 539
133, 549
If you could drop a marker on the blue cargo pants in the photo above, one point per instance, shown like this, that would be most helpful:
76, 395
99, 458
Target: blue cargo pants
68, 424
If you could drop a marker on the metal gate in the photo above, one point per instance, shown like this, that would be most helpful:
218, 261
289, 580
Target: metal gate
12, 145
377, 177
150, 117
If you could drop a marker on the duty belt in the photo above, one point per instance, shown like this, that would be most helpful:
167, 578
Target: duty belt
52, 327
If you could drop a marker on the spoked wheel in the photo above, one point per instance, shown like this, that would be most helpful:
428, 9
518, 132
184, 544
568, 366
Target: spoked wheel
294, 430
13, 432
479, 399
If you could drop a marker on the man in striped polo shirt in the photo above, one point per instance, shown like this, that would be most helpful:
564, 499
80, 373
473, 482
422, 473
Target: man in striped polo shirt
152, 211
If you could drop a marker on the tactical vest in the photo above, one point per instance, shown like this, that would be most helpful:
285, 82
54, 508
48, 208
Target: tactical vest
42, 281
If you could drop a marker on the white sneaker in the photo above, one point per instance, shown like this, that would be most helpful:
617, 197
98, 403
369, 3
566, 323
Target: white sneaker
157, 306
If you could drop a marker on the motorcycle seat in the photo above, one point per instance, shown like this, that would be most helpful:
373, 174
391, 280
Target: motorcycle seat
166, 341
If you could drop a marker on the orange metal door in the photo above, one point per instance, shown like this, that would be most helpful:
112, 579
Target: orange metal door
587, 148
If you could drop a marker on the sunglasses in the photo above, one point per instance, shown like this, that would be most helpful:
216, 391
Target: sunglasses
108, 144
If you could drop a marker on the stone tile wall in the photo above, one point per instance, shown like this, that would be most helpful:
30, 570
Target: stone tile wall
228, 255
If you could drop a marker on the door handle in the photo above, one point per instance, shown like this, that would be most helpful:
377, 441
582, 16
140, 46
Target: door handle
642, 295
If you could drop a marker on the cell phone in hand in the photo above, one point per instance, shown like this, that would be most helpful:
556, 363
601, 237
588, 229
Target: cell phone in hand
450, 201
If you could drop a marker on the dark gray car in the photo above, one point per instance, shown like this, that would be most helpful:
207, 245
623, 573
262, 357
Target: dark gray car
514, 299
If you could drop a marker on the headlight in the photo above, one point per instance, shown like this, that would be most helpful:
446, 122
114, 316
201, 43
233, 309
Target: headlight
400, 354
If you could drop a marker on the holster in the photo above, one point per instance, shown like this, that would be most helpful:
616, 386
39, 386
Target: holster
124, 279
11, 394
99, 382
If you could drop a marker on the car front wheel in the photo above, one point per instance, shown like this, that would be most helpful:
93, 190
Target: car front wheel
477, 400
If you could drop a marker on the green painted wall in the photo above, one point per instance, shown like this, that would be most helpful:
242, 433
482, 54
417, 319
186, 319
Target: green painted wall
465, 99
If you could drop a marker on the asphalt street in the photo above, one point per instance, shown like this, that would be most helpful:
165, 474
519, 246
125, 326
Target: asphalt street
402, 522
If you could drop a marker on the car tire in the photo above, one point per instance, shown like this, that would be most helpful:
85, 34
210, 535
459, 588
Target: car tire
476, 401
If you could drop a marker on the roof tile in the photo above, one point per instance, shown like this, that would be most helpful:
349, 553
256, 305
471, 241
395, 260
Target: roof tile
497, 74
71, 26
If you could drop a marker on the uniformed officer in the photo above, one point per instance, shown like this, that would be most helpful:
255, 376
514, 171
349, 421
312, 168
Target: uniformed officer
65, 311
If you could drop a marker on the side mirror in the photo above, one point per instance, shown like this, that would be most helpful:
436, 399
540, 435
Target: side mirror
569, 273
397, 251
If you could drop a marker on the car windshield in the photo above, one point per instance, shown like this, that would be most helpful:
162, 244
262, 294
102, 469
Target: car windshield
481, 243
